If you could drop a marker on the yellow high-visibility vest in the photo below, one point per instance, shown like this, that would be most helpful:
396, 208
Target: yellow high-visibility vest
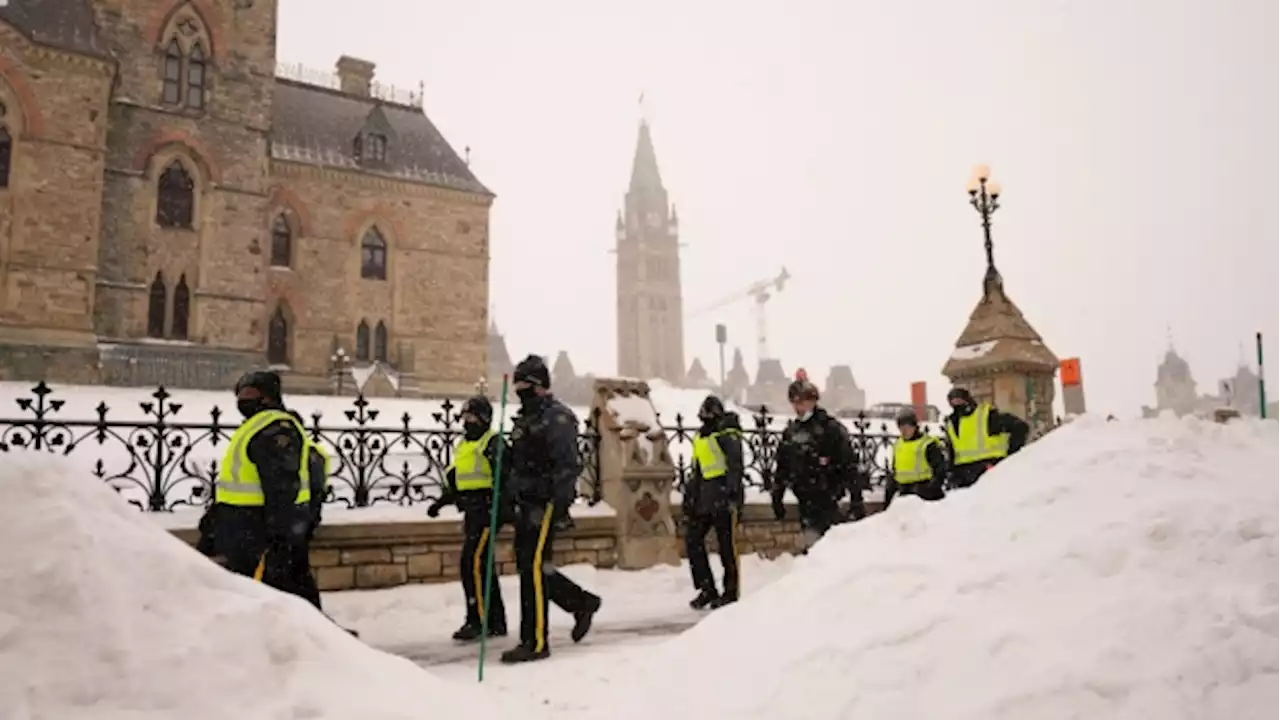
909, 462
708, 454
238, 480
471, 469
974, 443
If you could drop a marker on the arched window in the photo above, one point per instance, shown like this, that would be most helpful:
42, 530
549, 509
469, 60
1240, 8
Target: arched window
278, 338
175, 197
155, 308
380, 342
362, 342
173, 74
181, 309
6, 155
373, 256
195, 78
281, 243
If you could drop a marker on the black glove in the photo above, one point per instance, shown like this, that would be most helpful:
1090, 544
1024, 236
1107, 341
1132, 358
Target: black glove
433, 510
560, 517
779, 509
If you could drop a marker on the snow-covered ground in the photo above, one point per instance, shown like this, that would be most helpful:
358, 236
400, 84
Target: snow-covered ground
1112, 570
81, 403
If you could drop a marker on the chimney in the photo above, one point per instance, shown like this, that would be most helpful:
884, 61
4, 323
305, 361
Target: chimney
355, 75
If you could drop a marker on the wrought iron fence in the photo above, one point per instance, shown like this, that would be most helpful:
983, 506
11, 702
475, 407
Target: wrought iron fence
161, 462
872, 443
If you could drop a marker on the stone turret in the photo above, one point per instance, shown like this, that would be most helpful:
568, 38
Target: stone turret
842, 394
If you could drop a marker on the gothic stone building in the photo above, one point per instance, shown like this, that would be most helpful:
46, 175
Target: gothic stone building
172, 211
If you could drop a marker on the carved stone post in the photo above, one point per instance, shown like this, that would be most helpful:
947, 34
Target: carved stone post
636, 473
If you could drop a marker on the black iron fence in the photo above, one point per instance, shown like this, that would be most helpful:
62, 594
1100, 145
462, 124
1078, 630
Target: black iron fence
162, 461
872, 442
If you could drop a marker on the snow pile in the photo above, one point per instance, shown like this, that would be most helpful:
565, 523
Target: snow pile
1113, 570
103, 615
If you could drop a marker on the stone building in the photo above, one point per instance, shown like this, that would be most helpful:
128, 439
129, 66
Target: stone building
842, 394
173, 212
650, 304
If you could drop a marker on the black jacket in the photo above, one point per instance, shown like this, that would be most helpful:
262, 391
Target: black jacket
479, 500
815, 457
998, 423
544, 456
708, 497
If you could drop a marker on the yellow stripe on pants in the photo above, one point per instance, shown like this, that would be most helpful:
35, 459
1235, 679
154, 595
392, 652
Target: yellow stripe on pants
539, 601
477, 564
262, 568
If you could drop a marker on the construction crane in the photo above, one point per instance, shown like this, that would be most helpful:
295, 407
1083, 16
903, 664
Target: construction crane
760, 292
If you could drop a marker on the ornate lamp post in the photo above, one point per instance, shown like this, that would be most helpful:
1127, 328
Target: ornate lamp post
339, 361
984, 196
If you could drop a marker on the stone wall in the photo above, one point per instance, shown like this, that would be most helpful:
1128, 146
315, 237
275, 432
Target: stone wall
368, 556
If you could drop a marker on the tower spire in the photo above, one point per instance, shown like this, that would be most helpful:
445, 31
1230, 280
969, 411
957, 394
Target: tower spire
644, 165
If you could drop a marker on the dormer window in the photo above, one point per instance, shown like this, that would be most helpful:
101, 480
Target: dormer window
370, 148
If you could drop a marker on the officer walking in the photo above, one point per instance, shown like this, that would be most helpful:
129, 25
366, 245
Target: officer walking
713, 498
260, 515
816, 461
980, 436
469, 486
919, 465
544, 479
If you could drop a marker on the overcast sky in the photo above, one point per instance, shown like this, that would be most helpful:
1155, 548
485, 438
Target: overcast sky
1136, 141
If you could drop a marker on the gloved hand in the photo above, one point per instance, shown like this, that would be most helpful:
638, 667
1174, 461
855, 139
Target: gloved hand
433, 510
779, 509
560, 517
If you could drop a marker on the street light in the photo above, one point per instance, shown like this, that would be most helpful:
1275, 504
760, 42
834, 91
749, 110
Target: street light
722, 336
984, 196
339, 361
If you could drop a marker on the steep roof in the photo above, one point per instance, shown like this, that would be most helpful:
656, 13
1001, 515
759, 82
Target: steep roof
317, 125
644, 166
65, 24
997, 335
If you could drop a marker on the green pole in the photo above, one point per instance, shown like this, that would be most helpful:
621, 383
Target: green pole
1262, 384
489, 579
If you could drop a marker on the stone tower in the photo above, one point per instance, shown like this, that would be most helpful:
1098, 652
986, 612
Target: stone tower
650, 306
999, 357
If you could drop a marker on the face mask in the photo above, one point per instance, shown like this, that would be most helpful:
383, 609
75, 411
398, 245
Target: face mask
249, 407
528, 396
807, 414
473, 430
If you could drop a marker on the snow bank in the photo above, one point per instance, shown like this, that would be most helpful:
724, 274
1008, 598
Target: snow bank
105, 616
1113, 570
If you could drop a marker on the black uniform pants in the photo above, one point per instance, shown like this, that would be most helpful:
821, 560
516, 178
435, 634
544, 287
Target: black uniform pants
540, 582
819, 512
474, 559
967, 475
929, 490
240, 537
725, 525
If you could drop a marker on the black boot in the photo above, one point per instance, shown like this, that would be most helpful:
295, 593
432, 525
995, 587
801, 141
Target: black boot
497, 631
707, 596
467, 633
521, 654
726, 599
582, 619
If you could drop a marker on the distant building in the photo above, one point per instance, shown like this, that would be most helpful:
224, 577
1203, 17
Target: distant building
770, 388
842, 394
1176, 390
567, 385
737, 381
697, 377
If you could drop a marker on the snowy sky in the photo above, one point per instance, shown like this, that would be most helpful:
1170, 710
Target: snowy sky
1136, 142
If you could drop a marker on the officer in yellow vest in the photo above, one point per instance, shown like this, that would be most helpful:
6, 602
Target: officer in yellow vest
260, 514
469, 486
919, 464
712, 500
980, 436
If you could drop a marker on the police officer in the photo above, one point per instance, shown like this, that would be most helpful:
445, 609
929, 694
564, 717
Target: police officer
980, 436
260, 515
919, 464
816, 461
469, 485
544, 479
318, 477
712, 500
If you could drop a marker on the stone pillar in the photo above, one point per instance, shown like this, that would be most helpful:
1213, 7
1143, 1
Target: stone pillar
1002, 360
636, 473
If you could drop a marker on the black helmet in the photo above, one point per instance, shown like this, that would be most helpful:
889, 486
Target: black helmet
266, 382
908, 417
711, 408
532, 370
480, 407
961, 394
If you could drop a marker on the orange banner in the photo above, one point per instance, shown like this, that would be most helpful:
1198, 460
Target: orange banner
920, 400
1070, 369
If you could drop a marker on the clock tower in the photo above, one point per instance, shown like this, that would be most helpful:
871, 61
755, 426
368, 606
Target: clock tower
650, 305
